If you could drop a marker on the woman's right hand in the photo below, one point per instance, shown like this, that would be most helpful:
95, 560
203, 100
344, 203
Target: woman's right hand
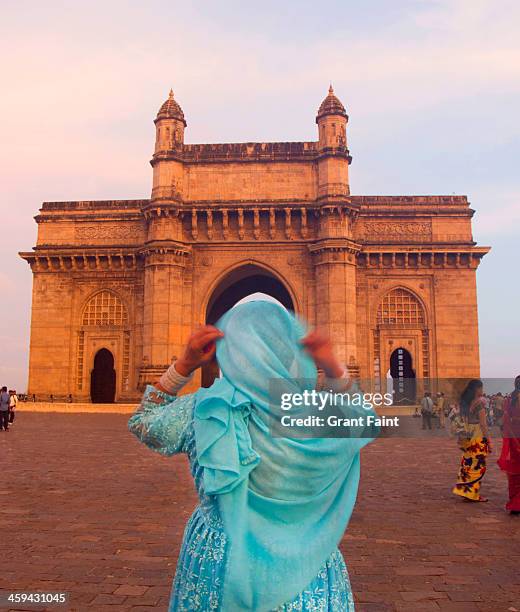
200, 349
317, 343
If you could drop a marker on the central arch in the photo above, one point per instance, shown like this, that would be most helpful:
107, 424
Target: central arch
237, 284
243, 281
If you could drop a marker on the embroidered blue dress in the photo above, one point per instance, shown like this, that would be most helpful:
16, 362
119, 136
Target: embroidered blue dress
165, 424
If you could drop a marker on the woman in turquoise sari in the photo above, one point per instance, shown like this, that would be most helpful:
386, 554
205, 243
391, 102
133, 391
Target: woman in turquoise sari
272, 509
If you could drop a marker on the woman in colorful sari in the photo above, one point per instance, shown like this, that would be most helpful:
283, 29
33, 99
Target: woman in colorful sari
509, 460
272, 509
474, 443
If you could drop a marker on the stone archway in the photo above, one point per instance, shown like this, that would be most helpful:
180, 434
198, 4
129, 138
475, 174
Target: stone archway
236, 285
103, 378
401, 321
241, 282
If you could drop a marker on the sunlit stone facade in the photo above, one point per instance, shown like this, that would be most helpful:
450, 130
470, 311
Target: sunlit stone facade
118, 285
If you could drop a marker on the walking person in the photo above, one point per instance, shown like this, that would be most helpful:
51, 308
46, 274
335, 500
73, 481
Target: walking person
474, 442
509, 460
427, 410
4, 409
272, 509
13, 404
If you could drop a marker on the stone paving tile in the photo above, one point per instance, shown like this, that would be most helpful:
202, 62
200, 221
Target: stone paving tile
88, 510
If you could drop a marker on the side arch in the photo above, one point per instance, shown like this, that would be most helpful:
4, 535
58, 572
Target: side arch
103, 323
400, 327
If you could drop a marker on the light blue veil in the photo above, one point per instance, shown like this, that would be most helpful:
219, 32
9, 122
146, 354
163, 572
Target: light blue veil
284, 502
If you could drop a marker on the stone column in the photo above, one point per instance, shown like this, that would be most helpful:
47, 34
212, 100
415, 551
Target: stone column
163, 326
334, 257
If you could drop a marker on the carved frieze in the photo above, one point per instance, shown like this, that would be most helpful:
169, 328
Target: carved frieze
401, 231
108, 232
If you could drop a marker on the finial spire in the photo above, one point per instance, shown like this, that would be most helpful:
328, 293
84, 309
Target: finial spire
170, 95
331, 90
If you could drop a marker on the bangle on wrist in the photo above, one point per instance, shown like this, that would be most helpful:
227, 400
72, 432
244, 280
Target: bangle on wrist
172, 381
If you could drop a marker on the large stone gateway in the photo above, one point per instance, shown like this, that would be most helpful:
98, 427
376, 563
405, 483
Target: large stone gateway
118, 285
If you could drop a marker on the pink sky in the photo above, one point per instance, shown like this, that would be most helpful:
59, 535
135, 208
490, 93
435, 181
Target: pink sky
432, 90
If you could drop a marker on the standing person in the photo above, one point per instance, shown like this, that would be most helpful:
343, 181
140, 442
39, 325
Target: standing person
13, 403
427, 410
4, 409
474, 443
509, 460
441, 409
272, 509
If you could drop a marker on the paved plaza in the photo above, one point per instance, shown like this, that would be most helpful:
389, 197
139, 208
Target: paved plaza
87, 510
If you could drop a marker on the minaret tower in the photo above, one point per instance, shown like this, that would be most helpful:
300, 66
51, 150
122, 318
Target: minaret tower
334, 160
165, 252
334, 252
166, 161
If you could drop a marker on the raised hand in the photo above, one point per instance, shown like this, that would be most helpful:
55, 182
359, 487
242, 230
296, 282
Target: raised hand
317, 343
199, 351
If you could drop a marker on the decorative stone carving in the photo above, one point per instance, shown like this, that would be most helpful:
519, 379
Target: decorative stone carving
272, 222
106, 231
194, 224
225, 224
288, 228
397, 230
241, 223
209, 221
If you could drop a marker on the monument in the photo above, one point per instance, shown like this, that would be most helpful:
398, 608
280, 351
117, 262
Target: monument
118, 285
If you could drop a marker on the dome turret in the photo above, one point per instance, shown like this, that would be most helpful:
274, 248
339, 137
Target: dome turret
331, 105
171, 110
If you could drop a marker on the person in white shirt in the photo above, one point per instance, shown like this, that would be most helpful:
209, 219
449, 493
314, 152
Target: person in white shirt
427, 410
13, 403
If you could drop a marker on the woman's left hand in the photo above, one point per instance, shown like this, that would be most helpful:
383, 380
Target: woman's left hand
317, 343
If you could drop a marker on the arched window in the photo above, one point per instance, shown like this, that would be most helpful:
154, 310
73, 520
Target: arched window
400, 307
104, 308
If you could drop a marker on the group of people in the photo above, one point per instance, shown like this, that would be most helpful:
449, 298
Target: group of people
8, 404
494, 405
470, 421
471, 425
432, 409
